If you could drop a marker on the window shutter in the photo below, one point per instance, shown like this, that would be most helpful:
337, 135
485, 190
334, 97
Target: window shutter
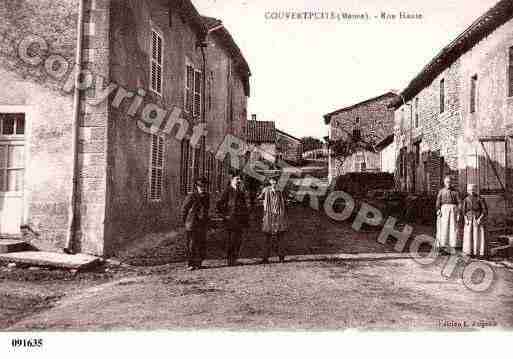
189, 85
156, 62
156, 167
197, 93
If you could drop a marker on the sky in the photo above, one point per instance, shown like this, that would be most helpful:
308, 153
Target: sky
303, 69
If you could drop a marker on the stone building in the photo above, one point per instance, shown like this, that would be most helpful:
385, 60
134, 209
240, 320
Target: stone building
454, 118
289, 148
97, 165
371, 121
261, 139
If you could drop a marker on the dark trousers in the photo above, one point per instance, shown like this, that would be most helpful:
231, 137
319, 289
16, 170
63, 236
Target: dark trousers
233, 244
196, 246
268, 244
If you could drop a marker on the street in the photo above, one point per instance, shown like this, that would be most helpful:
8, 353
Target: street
310, 291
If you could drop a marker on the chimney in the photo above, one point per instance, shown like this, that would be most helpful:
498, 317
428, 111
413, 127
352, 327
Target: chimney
253, 117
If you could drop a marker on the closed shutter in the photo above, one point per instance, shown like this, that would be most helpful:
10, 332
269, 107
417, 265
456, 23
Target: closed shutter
189, 89
156, 167
156, 62
197, 93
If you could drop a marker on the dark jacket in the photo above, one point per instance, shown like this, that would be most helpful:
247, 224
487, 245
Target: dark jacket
195, 210
474, 205
233, 206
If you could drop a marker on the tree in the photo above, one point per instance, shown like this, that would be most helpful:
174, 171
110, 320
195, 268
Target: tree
311, 143
353, 142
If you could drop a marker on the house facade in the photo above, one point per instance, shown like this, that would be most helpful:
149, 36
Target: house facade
454, 118
387, 154
96, 165
289, 148
370, 121
261, 139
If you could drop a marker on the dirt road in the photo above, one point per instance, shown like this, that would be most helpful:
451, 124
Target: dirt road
155, 293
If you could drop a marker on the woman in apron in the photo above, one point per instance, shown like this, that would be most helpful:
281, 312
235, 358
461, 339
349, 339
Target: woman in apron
448, 216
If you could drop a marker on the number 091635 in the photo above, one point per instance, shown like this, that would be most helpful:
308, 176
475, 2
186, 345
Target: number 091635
27, 343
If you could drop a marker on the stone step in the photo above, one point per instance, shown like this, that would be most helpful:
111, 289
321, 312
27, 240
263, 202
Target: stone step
50, 259
13, 245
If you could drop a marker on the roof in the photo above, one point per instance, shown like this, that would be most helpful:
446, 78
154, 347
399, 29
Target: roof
288, 135
233, 49
498, 15
385, 142
327, 117
260, 132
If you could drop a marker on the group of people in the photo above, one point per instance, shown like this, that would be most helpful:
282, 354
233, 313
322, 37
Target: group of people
236, 203
234, 209
450, 210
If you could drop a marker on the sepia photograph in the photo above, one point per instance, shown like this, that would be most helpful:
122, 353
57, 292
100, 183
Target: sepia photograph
239, 166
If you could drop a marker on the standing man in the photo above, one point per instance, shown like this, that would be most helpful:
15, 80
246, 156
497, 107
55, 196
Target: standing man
448, 217
196, 219
234, 208
274, 222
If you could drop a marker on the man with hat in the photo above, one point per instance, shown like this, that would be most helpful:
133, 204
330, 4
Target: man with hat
233, 207
195, 216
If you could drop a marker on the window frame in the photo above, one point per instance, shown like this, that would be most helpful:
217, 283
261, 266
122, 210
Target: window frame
473, 94
442, 96
158, 62
417, 115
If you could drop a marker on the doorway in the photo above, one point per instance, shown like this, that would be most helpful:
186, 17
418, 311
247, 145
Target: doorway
12, 172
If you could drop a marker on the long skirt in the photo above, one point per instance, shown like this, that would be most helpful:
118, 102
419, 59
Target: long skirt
474, 241
274, 222
447, 227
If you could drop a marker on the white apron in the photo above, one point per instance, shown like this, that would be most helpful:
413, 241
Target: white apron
447, 227
474, 242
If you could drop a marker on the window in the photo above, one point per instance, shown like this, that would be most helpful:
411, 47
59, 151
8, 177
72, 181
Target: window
402, 162
193, 88
210, 171
12, 167
416, 148
156, 62
442, 96
156, 167
510, 73
442, 171
473, 93
417, 112
492, 166
197, 93
12, 124
357, 122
